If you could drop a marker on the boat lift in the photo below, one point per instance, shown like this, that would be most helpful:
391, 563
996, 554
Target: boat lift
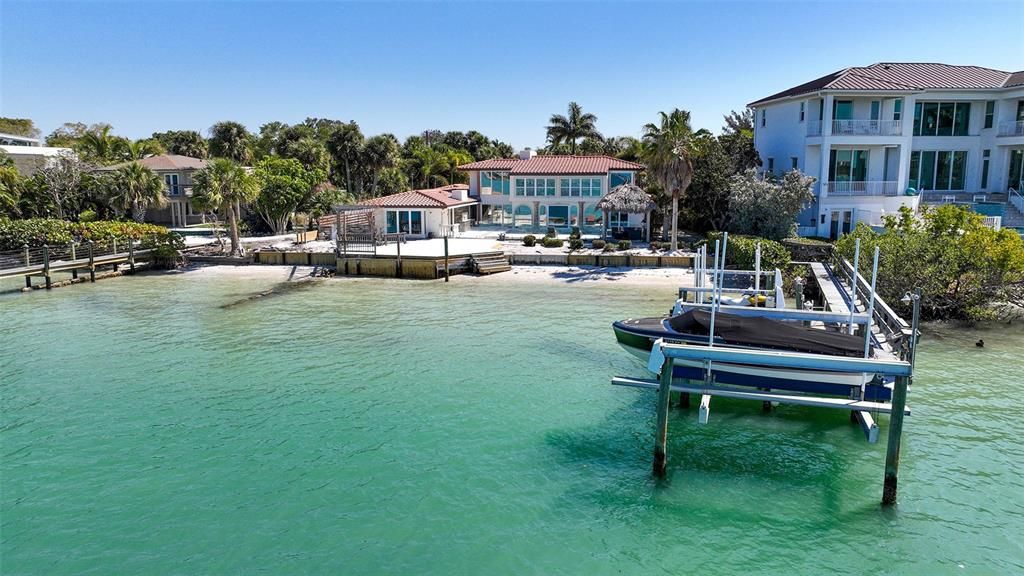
884, 332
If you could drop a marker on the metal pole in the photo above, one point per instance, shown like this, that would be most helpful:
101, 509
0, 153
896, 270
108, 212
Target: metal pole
714, 296
757, 267
398, 267
661, 436
871, 305
853, 282
914, 334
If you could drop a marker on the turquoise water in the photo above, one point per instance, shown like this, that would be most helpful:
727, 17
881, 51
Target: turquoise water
390, 427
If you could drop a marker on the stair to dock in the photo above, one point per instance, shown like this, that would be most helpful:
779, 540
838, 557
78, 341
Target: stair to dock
491, 263
1012, 217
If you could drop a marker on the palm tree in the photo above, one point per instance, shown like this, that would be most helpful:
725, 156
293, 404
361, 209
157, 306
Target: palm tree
99, 144
456, 157
570, 129
10, 189
223, 185
189, 143
142, 148
379, 154
668, 150
232, 141
345, 145
135, 189
431, 163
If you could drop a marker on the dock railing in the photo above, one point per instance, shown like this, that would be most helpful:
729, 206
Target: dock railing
895, 329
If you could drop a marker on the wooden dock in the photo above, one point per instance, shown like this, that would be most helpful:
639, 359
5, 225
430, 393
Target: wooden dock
44, 261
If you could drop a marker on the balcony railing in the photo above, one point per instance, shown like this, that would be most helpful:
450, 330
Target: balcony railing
867, 127
814, 128
869, 188
1011, 128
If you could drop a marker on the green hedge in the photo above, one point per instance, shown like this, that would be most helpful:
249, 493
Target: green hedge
742, 249
14, 234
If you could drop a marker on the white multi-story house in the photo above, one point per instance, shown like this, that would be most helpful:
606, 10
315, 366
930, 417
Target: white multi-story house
888, 135
535, 192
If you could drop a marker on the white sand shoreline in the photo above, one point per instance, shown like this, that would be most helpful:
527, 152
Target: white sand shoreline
569, 275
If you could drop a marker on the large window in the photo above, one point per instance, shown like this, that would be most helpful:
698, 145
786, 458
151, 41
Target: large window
990, 113
938, 170
842, 109
619, 178
985, 155
897, 109
404, 221
171, 180
535, 186
618, 219
496, 181
1016, 175
942, 118
848, 166
581, 186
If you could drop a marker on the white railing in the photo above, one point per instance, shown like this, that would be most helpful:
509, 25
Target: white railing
867, 127
1015, 198
869, 188
1011, 128
814, 128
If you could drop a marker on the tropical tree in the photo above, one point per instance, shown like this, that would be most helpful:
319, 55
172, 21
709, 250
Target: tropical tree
19, 127
455, 158
10, 190
571, 128
668, 151
99, 145
285, 187
60, 181
143, 148
767, 207
738, 140
431, 163
183, 143
232, 141
345, 145
707, 198
379, 154
223, 185
135, 188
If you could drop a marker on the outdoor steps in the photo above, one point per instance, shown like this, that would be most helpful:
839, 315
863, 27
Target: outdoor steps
491, 263
1012, 217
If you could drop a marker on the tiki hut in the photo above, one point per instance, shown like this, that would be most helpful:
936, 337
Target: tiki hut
628, 198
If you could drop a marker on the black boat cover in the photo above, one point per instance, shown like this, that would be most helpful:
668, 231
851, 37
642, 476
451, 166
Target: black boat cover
767, 333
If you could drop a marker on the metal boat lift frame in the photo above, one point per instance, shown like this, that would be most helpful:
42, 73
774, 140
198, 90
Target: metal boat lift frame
665, 354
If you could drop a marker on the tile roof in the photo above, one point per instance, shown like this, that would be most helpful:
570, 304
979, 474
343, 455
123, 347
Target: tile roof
166, 162
905, 76
428, 198
555, 165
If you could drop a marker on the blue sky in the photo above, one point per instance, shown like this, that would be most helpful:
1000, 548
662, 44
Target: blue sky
499, 68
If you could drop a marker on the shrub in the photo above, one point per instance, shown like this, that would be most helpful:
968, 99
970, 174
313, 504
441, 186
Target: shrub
611, 247
529, 240
550, 242
597, 244
742, 249
87, 216
575, 244
625, 244
38, 231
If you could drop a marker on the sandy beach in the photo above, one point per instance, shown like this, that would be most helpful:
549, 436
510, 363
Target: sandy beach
661, 277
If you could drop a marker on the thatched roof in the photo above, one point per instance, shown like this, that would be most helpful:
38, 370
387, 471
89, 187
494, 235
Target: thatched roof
627, 198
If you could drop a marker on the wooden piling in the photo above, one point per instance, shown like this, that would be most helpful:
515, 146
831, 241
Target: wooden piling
892, 453
131, 257
74, 271
46, 266
446, 272
661, 437
92, 263
398, 264
684, 400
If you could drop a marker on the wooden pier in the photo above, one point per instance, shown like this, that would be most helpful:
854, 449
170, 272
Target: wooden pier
44, 261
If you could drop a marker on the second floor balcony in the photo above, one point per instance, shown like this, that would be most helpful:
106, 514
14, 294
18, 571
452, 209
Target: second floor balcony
867, 127
1011, 128
860, 188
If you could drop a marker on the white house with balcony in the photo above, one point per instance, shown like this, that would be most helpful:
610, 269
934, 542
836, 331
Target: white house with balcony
897, 134
533, 192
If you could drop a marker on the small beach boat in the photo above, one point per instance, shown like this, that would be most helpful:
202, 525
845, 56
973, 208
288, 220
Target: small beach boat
752, 332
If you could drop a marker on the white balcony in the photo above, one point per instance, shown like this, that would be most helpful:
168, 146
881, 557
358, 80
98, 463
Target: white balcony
814, 128
867, 127
868, 188
1011, 128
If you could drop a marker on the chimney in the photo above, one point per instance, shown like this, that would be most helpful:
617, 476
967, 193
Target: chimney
526, 154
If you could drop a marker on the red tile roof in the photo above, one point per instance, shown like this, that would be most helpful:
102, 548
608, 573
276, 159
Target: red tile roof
166, 162
555, 165
429, 198
905, 77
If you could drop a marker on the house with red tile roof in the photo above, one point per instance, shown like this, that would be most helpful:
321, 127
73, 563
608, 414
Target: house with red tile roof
428, 213
894, 134
533, 192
